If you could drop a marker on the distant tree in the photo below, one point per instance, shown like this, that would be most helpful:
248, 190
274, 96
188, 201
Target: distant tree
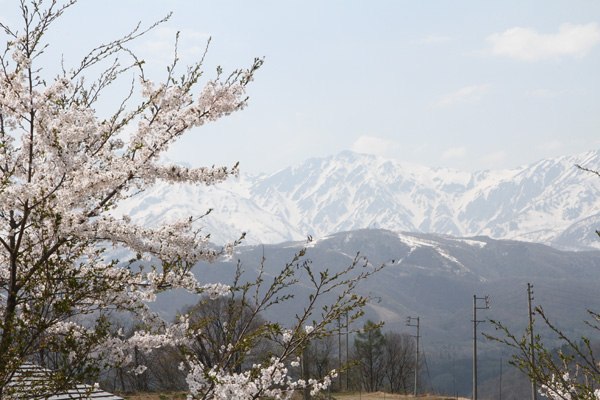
220, 322
399, 360
321, 357
369, 354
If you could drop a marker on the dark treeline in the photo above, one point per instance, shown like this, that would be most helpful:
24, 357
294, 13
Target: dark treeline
374, 361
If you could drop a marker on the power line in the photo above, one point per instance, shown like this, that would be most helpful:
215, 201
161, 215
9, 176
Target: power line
427, 366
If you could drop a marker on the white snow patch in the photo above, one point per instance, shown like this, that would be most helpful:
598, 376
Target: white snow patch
471, 242
415, 243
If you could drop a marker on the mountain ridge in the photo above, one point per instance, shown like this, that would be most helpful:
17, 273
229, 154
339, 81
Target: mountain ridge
549, 201
431, 275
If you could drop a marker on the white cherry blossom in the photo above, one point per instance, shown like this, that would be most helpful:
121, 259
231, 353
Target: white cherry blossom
64, 168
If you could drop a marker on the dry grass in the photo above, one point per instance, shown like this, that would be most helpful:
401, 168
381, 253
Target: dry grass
388, 396
298, 396
156, 396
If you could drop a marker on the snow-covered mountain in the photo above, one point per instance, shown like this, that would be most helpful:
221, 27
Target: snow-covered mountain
550, 201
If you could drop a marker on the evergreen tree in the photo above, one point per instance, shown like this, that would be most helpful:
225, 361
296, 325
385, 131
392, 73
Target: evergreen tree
368, 351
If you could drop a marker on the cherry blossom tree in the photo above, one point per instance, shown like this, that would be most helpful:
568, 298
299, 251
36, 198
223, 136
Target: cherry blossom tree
569, 372
64, 169
566, 373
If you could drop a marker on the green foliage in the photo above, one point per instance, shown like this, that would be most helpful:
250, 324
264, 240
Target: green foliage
573, 365
370, 340
368, 350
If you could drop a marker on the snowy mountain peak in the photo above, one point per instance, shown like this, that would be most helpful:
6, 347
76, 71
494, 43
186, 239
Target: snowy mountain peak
549, 201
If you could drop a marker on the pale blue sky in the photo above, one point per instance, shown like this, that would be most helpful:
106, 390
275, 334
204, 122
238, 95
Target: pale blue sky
471, 85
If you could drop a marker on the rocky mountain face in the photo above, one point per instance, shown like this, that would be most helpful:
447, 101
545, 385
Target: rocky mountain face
550, 201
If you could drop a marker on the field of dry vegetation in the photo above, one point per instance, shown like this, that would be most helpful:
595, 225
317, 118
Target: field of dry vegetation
298, 396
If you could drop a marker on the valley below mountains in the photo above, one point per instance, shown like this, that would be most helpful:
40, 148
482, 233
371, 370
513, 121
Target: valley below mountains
435, 277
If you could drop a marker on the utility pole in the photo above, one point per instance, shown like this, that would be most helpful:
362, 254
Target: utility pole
408, 323
340, 352
475, 322
347, 337
500, 378
531, 349
304, 371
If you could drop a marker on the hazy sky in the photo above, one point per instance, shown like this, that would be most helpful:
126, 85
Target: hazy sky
464, 84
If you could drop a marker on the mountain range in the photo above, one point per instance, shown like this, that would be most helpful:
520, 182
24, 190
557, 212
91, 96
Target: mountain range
434, 277
445, 235
550, 201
